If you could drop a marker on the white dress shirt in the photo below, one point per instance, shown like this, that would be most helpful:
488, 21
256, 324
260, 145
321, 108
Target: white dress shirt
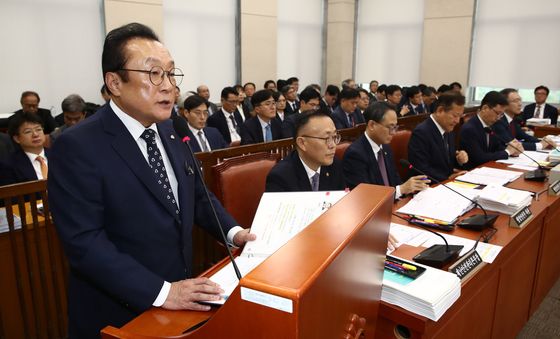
36, 164
232, 132
376, 148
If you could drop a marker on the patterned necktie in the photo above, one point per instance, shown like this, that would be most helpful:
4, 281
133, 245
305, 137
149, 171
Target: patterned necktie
156, 164
537, 112
446, 144
512, 128
44, 168
268, 133
234, 123
315, 182
202, 141
382, 167
351, 120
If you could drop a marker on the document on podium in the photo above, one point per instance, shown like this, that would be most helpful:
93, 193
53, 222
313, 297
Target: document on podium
279, 217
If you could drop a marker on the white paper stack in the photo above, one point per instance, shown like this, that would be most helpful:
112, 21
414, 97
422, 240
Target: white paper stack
504, 200
4, 221
429, 295
489, 176
440, 203
537, 122
554, 155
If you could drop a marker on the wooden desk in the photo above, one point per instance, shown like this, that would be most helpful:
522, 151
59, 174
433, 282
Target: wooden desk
543, 131
501, 297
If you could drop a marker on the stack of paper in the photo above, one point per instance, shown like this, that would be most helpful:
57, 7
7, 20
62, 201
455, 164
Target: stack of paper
537, 122
4, 227
489, 176
429, 295
440, 203
504, 200
554, 155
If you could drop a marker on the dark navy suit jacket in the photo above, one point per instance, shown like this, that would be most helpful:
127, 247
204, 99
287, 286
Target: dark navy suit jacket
212, 135
509, 132
341, 118
121, 237
218, 121
360, 165
420, 109
550, 112
289, 175
289, 125
251, 131
17, 168
426, 151
289, 111
473, 141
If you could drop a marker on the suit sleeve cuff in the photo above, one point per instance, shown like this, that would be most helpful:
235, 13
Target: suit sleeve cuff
163, 293
398, 192
232, 232
507, 151
538, 146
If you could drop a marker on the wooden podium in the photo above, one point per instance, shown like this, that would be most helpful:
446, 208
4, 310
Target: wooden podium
324, 283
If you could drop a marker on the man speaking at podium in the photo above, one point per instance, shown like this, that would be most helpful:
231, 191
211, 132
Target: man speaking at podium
125, 194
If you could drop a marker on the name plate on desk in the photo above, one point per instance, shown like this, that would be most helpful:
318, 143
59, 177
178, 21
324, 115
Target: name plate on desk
520, 218
554, 188
467, 265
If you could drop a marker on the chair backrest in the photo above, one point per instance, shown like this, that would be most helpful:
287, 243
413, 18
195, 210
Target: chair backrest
34, 269
240, 183
399, 145
341, 148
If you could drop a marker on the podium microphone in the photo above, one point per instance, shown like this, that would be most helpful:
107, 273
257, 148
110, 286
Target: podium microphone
476, 222
180, 126
436, 255
536, 175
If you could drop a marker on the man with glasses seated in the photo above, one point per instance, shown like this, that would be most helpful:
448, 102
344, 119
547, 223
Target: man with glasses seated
309, 100
370, 159
312, 166
228, 120
540, 109
431, 148
478, 138
264, 127
29, 161
203, 139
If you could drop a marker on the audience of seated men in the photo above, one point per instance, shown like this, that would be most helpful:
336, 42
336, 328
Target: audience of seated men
202, 138
431, 147
73, 111
309, 101
479, 139
30, 104
508, 127
29, 161
347, 114
263, 127
227, 120
312, 166
540, 109
370, 159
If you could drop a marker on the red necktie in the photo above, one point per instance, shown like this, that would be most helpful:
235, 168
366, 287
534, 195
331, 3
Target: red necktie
512, 128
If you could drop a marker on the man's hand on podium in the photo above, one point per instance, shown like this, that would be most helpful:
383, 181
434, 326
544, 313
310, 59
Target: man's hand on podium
185, 294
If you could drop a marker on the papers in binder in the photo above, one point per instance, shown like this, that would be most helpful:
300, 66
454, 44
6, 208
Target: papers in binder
504, 200
489, 176
523, 160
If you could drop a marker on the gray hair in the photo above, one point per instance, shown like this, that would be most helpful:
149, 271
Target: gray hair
73, 103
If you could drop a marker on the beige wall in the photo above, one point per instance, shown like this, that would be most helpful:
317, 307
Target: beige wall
340, 41
258, 40
147, 12
446, 41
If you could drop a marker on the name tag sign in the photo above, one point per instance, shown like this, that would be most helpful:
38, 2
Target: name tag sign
469, 264
554, 188
520, 218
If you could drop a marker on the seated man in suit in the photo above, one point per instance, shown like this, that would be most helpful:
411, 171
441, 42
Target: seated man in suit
249, 89
414, 101
509, 128
29, 161
394, 97
292, 104
312, 166
204, 92
363, 103
347, 115
73, 111
429, 99
373, 86
203, 139
478, 138
431, 148
228, 120
30, 104
370, 159
263, 127
329, 99
540, 109
309, 101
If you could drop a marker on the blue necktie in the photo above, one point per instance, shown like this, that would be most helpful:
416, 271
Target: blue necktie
268, 133
158, 168
315, 182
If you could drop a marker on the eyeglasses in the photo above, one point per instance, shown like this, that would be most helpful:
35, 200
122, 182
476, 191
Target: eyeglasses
157, 75
30, 131
333, 139
497, 113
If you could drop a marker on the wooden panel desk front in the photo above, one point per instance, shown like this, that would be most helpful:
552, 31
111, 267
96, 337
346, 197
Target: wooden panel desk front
499, 299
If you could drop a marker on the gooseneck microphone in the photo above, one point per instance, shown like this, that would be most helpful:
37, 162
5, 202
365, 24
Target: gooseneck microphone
436, 255
475, 222
536, 175
181, 127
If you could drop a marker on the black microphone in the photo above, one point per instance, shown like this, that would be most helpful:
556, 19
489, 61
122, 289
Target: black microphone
537, 175
436, 255
476, 222
181, 127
